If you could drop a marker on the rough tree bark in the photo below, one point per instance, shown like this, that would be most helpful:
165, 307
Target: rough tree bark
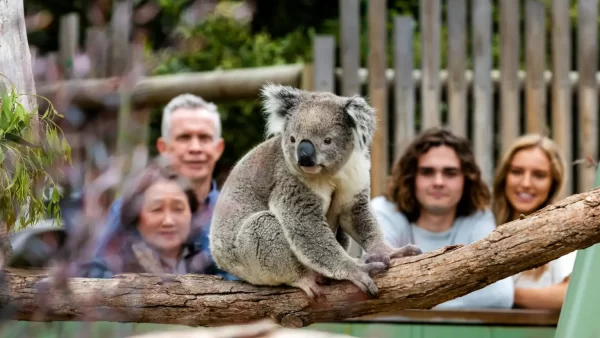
419, 282
15, 66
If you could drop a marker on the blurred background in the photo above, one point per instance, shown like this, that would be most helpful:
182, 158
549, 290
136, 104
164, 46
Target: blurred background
490, 70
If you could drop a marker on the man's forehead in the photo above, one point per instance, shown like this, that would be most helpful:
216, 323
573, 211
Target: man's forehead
190, 113
439, 157
187, 120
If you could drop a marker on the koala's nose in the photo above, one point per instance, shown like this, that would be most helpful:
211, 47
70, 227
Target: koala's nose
306, 154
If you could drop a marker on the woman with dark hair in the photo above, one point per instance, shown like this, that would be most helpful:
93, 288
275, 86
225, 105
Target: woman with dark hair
155, 225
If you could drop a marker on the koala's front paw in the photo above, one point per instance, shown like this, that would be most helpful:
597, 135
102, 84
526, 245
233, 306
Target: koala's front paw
384, 256
405, 251
377, 257
361, 277
308, 284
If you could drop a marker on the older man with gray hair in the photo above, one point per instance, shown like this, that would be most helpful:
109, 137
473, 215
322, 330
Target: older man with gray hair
191, 141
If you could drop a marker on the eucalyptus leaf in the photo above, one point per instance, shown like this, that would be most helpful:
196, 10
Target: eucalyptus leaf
26, 174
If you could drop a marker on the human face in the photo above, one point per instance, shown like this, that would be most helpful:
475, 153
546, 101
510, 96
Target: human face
193, 146
528, 180
165, 217
439, 182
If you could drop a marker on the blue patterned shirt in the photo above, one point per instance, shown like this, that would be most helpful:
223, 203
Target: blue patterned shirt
199, 243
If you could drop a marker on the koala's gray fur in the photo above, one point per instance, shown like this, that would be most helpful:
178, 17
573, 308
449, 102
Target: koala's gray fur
276, 223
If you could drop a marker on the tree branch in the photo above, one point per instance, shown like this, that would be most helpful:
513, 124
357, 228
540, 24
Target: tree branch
419, 282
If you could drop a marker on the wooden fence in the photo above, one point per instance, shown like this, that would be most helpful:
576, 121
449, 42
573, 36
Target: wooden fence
490, 106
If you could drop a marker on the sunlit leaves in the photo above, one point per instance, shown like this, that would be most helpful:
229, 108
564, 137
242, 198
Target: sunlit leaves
29, 147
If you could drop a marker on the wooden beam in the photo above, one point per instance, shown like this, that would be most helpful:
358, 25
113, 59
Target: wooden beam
218, 85
235, 84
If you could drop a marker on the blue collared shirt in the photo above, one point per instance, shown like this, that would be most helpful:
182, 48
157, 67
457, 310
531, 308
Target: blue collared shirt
199, 243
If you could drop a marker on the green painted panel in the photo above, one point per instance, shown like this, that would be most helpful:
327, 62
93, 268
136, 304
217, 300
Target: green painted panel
411, 330
579, 315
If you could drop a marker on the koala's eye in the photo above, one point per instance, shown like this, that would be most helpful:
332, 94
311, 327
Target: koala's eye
292, 139
327, 140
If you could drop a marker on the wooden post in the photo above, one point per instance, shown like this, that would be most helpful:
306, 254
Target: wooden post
97, 50
457, 50
483, 134
430, 15
587, 64
404, 86
350, 46
120, 27
562, 118
378, 93
68, 40
536, 64
308, 77
509, 68
324, 62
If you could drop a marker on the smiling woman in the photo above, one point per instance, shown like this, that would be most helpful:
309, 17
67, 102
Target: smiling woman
530, 177
155, 225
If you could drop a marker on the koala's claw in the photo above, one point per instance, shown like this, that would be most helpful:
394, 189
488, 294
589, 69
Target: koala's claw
309, 286
405, 251
367, 286
363, 280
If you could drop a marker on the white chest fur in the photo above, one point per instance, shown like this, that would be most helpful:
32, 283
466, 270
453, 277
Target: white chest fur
338, 191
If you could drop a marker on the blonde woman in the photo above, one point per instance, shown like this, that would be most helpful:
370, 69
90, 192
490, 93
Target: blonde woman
530, 177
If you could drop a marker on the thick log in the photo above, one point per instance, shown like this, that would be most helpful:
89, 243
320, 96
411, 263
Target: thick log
419, 282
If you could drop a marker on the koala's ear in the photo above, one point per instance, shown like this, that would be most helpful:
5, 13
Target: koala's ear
363, 118
278, 101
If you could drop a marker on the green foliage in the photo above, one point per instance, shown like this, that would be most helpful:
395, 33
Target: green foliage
29, 146
221, 42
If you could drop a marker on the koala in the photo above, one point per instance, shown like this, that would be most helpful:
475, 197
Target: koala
286, 209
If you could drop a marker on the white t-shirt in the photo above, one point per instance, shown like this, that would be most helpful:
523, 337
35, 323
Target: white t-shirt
557, 271
398, 231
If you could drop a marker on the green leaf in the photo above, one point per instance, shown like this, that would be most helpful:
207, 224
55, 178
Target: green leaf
18, 115
6, 113
55, 196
